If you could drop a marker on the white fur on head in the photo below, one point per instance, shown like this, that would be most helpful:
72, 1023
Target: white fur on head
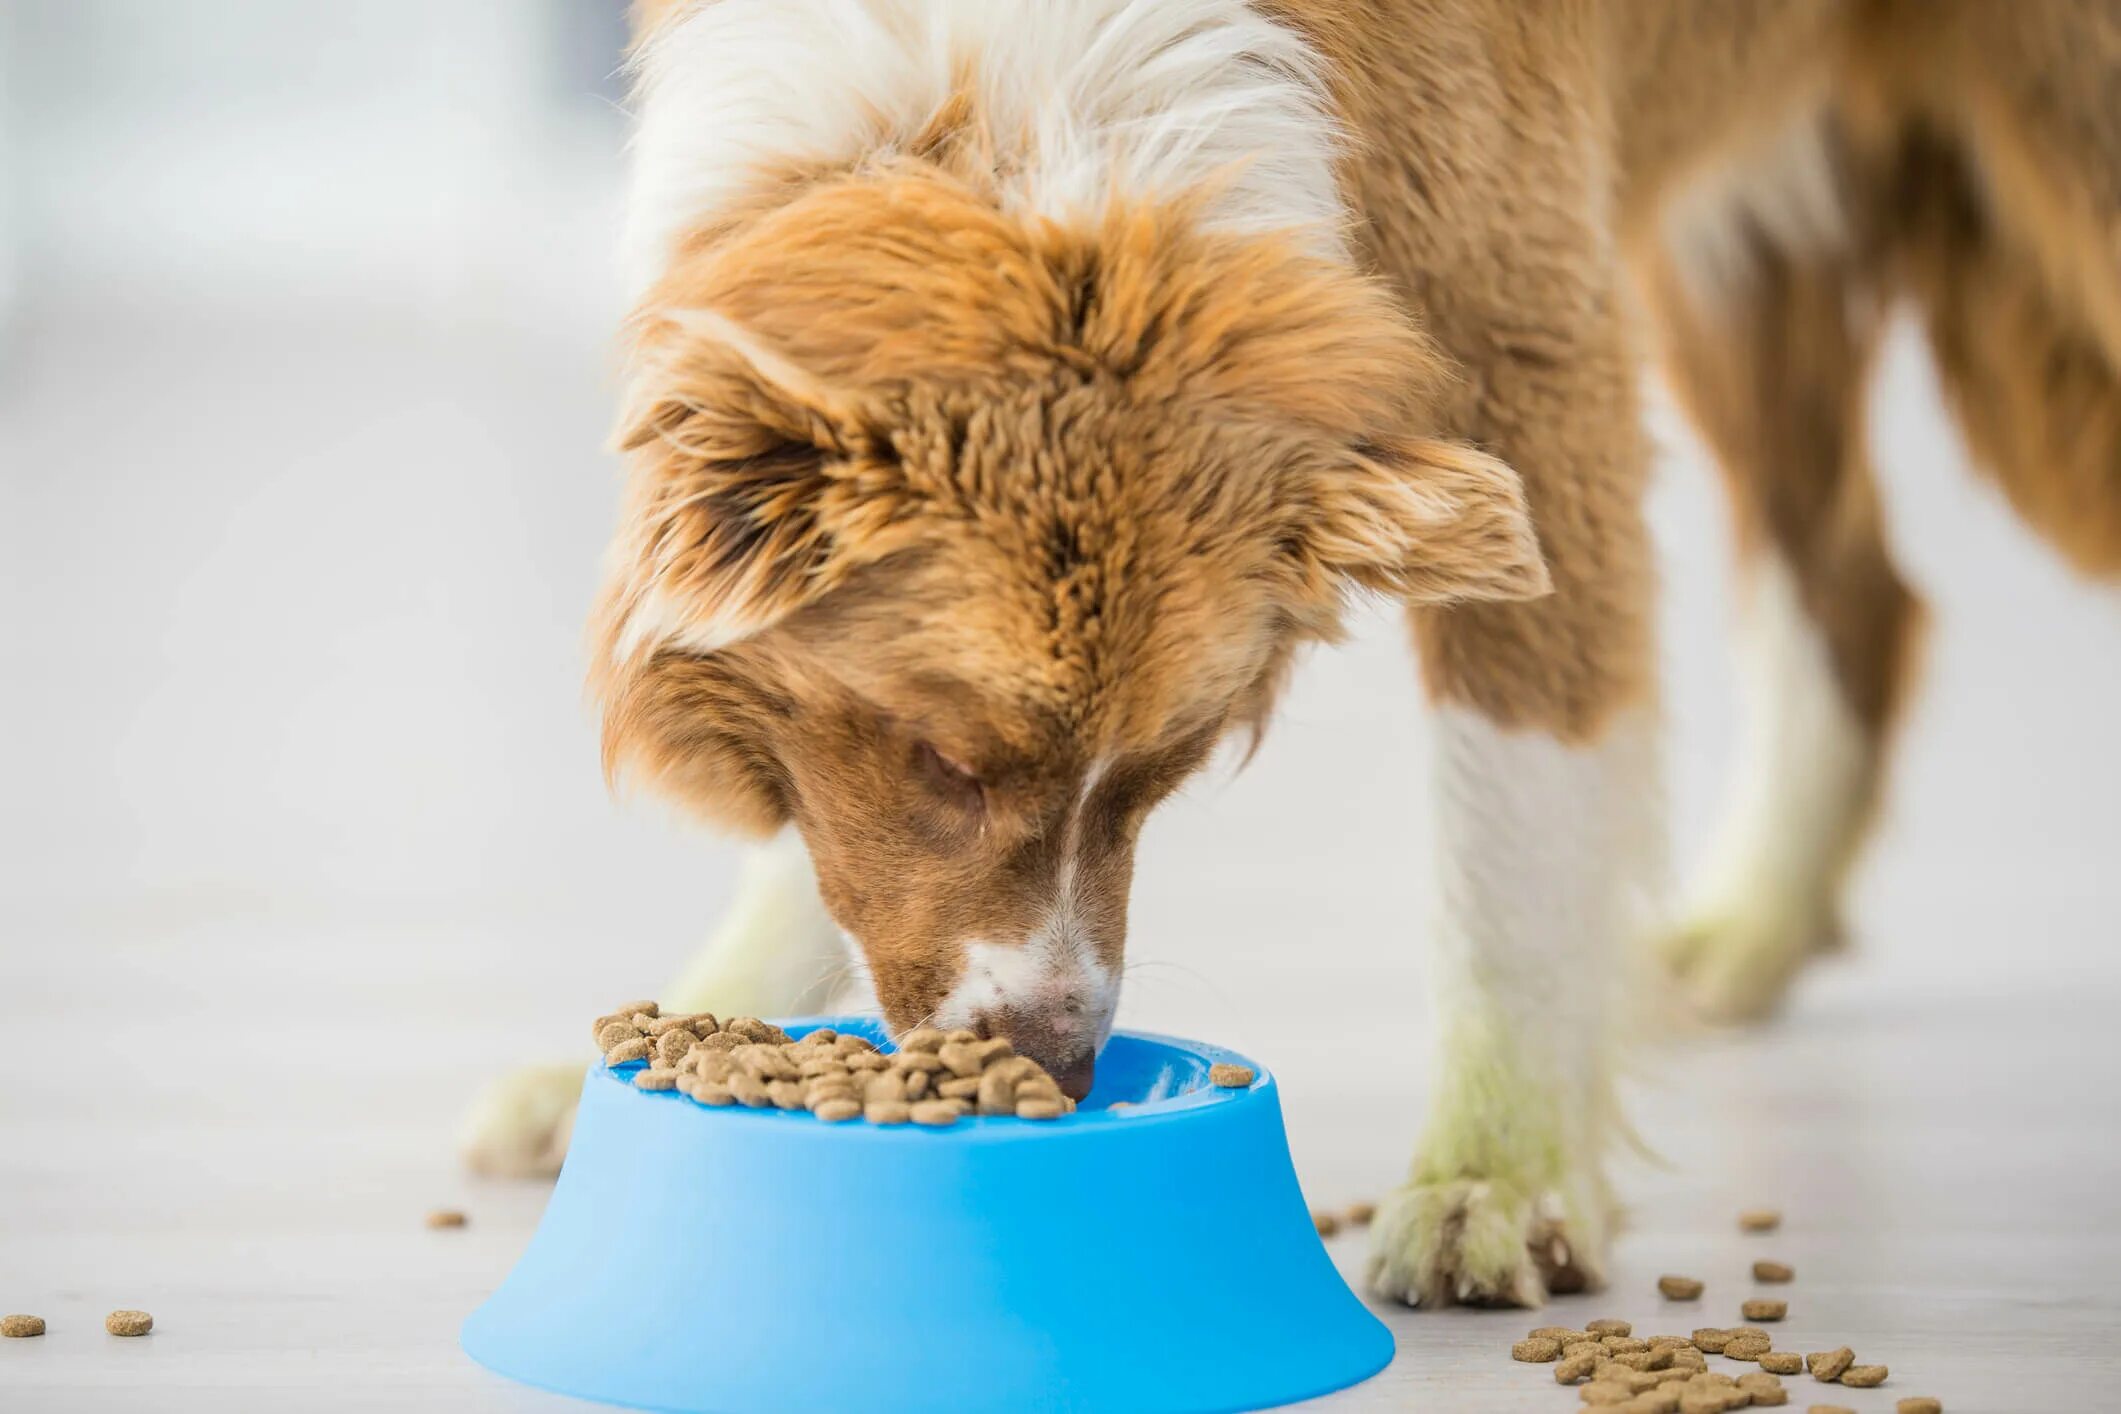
1091, 99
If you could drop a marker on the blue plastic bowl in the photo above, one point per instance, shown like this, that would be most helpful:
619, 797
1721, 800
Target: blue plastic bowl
1158, 1257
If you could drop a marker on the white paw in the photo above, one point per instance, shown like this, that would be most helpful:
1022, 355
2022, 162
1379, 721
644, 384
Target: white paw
519, 1127
1479, 1242
1737, 963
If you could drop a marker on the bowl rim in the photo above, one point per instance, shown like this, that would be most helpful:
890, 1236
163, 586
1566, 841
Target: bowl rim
1191, 1103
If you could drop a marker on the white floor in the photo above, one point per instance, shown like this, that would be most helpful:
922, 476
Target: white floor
305, 839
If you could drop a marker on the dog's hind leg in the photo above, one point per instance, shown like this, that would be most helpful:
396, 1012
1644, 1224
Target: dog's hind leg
1767, 336
1547, 837
776, 953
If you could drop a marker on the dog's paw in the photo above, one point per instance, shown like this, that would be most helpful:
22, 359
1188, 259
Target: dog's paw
520, 1126
1737, 964
1475, 1242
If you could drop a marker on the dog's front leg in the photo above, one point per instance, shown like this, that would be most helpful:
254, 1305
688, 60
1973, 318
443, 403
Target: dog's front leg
775, 953
1547, 838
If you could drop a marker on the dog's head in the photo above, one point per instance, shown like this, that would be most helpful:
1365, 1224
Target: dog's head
958, 539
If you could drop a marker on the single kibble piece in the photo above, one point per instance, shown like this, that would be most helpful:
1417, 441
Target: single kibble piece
627, 1052
128, 1323
837, 1111
1358, 1214
1229, 1077
1919, 1404
1559, 1334
1863, 1376
1827, 1365
1609, 1326
20, 1327
1606, 1392
1710, 1339
614, 1033
446, 1217
1536, 1350
1763, 1398
887, 1111
1583, 1345
1328, 1225
1782, 1362
1622, 1345
1645, 1360
1759, 1220
938, 1113
1829, 1409
1680, 1288
1574, 1369
1747, 1347
1774, 1271
1762, 1308
656, 1077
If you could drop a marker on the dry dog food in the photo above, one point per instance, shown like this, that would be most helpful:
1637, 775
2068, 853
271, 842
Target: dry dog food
128, 1323
1863, 1376
1328, 1224
17, 1327
1574, 1369
1710, 1339
1747, 1347
1919, 1404
1773, 1271
1762, 1308
1609, 1327
446, 1217
1228, 1076
1782, 1362
1359, 1214
1536, 1349
934, 1079
1829, 1409
1680, 1288
1827, 1365
1759, 1220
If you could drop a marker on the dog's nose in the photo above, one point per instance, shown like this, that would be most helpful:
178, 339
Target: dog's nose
1076, 1077
1058, 1040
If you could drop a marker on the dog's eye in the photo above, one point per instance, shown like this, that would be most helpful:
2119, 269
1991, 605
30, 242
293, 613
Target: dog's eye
951, 779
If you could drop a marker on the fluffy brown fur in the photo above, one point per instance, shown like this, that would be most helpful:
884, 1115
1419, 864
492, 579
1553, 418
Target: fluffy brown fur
989, 502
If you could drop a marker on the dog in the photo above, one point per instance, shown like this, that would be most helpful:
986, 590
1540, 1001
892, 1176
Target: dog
1014, 389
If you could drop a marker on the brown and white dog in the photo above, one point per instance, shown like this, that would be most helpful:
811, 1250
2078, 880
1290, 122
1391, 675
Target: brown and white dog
1017, 385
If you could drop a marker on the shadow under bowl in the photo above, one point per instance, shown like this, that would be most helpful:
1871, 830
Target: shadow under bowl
1157, 1257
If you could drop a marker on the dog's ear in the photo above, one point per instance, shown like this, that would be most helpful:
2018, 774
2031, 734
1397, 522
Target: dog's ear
1423, 520
754, 490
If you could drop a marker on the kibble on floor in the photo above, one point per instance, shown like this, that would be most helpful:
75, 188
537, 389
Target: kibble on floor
1674, 1288
20, 1327
1782, 1362
1759, 1220
1827, 1365
1863, 1376
128, 1323
1918, 1404
446, 1217
1762, 1308
1773, 1272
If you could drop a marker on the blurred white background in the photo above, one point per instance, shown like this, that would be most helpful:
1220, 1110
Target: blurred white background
305, 375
